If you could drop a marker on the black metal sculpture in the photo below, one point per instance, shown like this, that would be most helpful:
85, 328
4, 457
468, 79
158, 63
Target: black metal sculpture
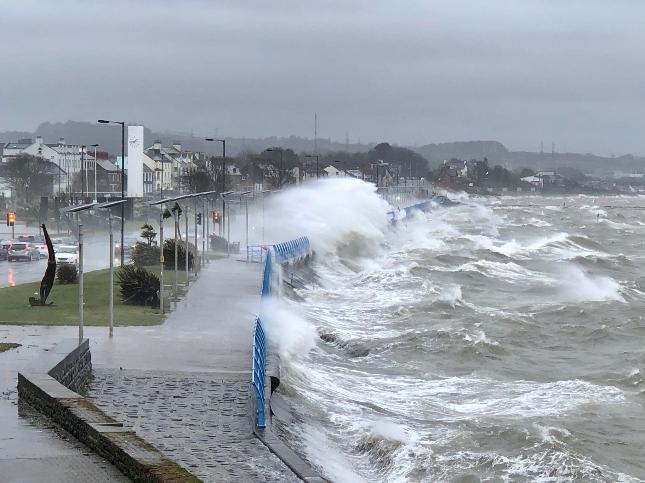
48, 280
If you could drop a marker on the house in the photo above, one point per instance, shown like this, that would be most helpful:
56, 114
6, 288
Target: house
108, 177
333, 171
70, 158
171, 163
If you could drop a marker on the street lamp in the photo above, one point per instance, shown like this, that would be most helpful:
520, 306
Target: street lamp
81, 321
95, 190
122, 123
314, 156
109, 206
223, 141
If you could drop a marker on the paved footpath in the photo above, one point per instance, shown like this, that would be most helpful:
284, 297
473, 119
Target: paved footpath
184, 386
32, 448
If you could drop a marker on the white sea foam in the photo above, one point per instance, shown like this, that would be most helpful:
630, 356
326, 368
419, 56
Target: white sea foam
287, 328
330, 212
576, 285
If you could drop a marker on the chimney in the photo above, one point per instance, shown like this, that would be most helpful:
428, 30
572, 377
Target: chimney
61, 141
39, 139
156, 145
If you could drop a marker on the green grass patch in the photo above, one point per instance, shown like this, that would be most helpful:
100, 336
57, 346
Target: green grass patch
64, 311
5, 346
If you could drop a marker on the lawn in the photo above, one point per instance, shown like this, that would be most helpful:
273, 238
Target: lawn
16, 309
5, 346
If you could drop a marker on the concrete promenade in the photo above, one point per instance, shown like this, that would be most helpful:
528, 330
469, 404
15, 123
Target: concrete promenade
184, 386
32, 448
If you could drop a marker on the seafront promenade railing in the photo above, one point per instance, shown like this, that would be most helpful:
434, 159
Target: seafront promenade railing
257, 371
281, 253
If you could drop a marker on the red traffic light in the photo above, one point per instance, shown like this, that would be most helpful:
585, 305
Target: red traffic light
216, 216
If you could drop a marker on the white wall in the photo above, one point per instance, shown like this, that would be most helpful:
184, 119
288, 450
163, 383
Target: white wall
135, 161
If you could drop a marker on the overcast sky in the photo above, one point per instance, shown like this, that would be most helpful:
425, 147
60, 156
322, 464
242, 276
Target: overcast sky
409, 72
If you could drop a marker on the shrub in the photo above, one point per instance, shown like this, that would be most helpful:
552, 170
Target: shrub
66, 274
138, 286
169, 254
144, 255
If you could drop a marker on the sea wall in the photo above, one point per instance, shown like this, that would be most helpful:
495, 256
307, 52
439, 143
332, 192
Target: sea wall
49, 385
282, 274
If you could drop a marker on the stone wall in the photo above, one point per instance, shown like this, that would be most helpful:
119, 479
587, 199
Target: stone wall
47, 386
75, 368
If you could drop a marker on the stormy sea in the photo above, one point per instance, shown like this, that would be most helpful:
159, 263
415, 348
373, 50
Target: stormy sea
497, 339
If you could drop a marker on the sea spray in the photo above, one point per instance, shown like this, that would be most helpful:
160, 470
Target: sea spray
287, 329
332, 213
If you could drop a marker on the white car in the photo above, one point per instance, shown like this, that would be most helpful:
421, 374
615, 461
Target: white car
67, 255
42, 250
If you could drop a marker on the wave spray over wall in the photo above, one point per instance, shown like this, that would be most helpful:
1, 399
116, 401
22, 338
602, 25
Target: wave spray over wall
494, 339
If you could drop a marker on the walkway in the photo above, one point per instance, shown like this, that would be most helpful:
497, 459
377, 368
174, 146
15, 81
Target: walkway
184, 386
32, 448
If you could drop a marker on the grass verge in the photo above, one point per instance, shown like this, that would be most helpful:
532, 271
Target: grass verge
5, 346
64, 311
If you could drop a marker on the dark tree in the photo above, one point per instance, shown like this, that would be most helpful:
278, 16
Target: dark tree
29, 176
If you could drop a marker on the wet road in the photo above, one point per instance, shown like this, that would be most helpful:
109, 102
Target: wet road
96, 257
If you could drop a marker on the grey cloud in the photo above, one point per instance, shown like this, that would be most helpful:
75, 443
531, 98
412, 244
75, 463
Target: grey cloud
407, 72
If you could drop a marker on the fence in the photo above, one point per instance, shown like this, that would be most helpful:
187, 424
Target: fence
257, 372
257, 253
291, 249
282, 252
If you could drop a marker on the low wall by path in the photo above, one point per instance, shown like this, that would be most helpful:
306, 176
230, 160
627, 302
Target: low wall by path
49, 385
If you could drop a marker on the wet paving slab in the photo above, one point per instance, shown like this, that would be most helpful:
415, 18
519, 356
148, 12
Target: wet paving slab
199, 420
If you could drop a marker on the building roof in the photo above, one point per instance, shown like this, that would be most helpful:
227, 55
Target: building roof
107, 165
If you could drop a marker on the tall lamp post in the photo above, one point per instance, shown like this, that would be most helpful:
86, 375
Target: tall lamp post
95, 189
81, 301
122, 123
223, 141
108, 206
314, 156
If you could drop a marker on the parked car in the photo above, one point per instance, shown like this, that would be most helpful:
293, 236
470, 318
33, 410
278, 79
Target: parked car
6, 244
23, 251
67, 255
27, 238
42, 249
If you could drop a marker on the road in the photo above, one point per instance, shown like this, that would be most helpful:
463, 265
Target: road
96, 257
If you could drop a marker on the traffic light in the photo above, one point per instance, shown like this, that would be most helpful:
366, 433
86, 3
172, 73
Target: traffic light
11, 218
215, 216
199, 218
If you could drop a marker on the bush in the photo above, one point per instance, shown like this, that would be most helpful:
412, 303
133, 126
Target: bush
169, 254
144, 255
138, 286
66, 274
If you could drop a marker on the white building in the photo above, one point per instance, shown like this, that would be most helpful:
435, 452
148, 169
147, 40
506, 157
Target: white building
68, 157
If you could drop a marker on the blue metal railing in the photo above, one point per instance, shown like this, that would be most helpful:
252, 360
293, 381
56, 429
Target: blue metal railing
257, 371
267, 273
282, 252
425, 205
291, 249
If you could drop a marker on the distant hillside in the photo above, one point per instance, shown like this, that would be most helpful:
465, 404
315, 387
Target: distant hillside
497, 153
436, 153
109, 138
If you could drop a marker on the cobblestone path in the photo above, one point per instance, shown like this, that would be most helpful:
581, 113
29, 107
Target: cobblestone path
199, 420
